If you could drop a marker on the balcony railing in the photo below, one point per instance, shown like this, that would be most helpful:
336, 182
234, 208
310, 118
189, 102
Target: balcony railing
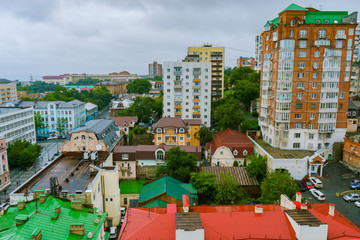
303, 36
340, 36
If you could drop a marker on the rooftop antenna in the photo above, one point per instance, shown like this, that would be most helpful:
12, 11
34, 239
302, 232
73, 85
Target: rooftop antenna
31, 77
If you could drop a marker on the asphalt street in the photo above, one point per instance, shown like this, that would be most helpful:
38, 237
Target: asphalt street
336, 179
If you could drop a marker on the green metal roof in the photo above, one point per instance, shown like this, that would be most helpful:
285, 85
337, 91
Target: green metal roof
294, 7
312, 16
157, 203
131, 186
39, 217
172, 187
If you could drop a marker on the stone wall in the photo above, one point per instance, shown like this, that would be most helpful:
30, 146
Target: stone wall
338, 151
147, 172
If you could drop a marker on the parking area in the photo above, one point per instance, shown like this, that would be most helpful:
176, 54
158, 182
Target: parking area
336, 179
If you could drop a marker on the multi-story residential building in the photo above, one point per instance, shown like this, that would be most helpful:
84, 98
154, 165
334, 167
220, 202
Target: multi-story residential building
115, 87
121, 76
187, 90
351, 154
155, 69
216, 56
59, 80
17, 123
258, 49
355, 82
8, 92
51, 111
246, 62
175, 131
305, 78
4, 166
91, 110
357, 43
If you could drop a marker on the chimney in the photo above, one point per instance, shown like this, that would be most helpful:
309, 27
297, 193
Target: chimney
77, 205
304, 206
332, 209
77, 228
36, 234
258, 208
298, 197
21, 204
186, 203
42, 198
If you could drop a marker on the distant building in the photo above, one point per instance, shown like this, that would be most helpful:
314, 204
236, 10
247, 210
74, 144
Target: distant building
125, 124
355, 82
74, 112
115, 88
17, 123
155, 69
4, 166
246, 62
91, 111
351, 152
258, 50
117, 76
228, 146
59, 80
8, 92
187, 90
357, 43
176, 131
166, 190
155, 92
353, 117
96, 135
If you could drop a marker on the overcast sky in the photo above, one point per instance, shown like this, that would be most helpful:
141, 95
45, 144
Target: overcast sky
52, 37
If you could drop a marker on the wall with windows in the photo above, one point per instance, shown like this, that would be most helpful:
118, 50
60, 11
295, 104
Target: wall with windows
83, 141
224, 157
4, 167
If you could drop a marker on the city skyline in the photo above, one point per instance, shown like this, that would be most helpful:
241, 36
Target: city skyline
57, 37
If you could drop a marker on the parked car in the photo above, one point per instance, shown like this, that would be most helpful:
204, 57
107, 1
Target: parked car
355, 186
357, 203
113, 232
39, 138
317, 194
352, 197
307, 183
53, 137
301, 185
316, 182
356, 181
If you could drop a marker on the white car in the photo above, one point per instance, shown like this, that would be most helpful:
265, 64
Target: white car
352, 197
316, 182
317, 194
113, 232
357, 203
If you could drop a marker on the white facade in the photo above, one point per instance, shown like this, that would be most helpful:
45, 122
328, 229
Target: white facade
17, 124
8, 92
91, 110
187, 90
60, 80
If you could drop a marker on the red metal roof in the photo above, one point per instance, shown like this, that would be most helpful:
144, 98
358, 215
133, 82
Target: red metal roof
232, 139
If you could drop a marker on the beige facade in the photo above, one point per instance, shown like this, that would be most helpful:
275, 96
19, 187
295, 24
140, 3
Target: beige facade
83, 141
8, 92
125, 199
127, 169
223, 157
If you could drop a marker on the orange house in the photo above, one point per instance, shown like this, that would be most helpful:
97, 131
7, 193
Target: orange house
351, 155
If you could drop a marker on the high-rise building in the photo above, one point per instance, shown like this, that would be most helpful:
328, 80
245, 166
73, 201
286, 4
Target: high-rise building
305, 77
357, 43
216, 56
187, 88
258, 48
155, 69
8, 92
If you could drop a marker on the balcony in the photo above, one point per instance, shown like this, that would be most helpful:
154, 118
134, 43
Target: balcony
196, 80
177, 106
216, 54
125, 168
216, 71
196, 100
178, 113
196, 107
326, 130
196, 93
178, 86
177, 72
303, 36
196, 86
197, 71
340, 36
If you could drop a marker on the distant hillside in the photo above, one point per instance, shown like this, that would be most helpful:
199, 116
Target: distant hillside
4, 80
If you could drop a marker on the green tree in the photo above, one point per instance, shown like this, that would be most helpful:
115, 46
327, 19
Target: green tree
228, 115
139, 86
228, 190
205, 184
243, 73
158, 78
179, 164
61, 125
277, 183
256, 166
204, 135
39, 121
249, 125
236, 163
23, 154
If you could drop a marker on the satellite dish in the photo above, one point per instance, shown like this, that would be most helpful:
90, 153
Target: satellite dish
98, 147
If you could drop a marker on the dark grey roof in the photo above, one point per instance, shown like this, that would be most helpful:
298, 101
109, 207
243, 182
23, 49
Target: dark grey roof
4, 110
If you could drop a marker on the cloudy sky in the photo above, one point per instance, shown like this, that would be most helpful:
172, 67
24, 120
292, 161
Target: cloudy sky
51, 37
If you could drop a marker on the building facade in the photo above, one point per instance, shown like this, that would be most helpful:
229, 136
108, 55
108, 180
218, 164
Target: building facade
258, 49
115, 87
355, 82
246, 62
4, 166
59, 80
17, 123
357, 43
187, 90
91, 111
125, 124
351, 154
215, 56
8, 92
305, 78
155, 69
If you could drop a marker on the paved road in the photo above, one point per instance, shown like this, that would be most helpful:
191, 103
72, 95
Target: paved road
18, 176
104, 113
336, 178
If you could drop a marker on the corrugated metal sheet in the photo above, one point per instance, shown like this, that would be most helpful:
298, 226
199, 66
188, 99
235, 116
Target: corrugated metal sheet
240, 174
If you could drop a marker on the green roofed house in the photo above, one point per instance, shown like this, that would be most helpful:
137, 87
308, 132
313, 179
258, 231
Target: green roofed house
130, 191
53, 219
166, 190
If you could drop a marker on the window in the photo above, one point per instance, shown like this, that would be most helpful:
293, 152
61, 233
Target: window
297, 125
125, 200
125, 156
245, 152
297, 115
296, 145
298, 106
322, 34
301, 75
313, 96
311, 126
327, 21
312, 116
301, 65
181, 130
297, 135
302, 44
313, 106
300, 85
314, 85
338, 43
159, 154
83, 137
159, 130
340, 105
317, 54
316, 65
315, 75
317, 21
291, 33
159, 139
341, 96
302, 54
351, 31
311, 136
292, 23
235, 152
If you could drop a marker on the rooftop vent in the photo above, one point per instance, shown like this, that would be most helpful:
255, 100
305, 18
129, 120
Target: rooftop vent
298, 197
77, 228
36, 234
77, 205
258, 208
90, 235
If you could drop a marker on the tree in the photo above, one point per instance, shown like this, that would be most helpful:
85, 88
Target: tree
39, 121
277, 183
23, 154
243, 73
256, 166
179, 164
205, 184
139, 86
61, 125
228, 190
236, 163
204, 135
249, 125
228, 115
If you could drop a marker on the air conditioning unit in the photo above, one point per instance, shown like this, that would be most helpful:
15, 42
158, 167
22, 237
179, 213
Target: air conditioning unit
315, 67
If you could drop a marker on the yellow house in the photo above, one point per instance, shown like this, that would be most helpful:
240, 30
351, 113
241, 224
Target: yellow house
177, 132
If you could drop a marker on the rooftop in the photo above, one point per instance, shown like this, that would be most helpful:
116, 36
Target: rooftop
131, 186
39, 216
5, 110
121, 121
240, 174
43, 104
176, 122
283, 153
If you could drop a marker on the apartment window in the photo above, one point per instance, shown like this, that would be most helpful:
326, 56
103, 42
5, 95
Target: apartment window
125, 156
297, 115
341, 96
297, 125
317, 21
311, 136
311, 126
312, 106
322, 34
168, 70
313, 96
187, 70
301, 75
302, 54
314, 85
316, 65
300, 85
301, 65
312, 116
327, 21
291, 33
296, 145
292, 22
340, 32
298, 106
297, 135
338, 43
351, 31
299, 96
302, 44
340, 105
317, 54
315, 75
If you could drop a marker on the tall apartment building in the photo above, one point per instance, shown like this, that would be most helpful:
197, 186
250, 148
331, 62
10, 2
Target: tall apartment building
258, 49
8, 92
155, 69
187, 90
216, 56
74, 112
357, 43
17, 123
306, 65
4, 166
355, 82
